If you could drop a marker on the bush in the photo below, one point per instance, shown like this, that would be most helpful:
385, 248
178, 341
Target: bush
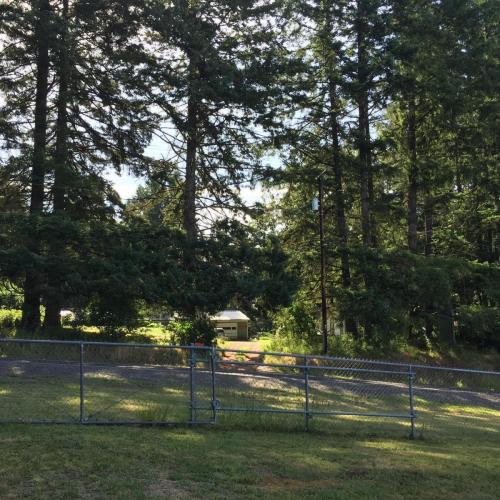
114, 315
9, 318
344, 345
296, 329
186, 332
479, 325
10, 299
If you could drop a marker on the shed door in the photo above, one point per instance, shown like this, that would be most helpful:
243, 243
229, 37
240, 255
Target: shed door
230, 330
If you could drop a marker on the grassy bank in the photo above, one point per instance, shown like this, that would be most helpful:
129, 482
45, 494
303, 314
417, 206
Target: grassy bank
459, 356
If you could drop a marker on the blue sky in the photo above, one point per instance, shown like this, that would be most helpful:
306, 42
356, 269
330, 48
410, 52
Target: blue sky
126, 185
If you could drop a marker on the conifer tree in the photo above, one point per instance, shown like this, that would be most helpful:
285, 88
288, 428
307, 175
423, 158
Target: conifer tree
213, 67
28, 32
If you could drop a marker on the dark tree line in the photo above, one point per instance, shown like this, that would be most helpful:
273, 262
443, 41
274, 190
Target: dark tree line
394, 103
397, 105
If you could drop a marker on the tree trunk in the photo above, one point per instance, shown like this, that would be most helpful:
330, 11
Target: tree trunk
339, 201
189, 212
190, 181
412, 175
32, 285
428, 214
365, 174
371, 189
53, 301
429, 221
335, 160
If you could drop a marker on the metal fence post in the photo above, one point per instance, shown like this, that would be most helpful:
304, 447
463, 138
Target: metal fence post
306, 387
192, 364
411, 376
82, 389
213, 361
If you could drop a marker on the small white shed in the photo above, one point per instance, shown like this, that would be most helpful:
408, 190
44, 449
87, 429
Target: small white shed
233, 323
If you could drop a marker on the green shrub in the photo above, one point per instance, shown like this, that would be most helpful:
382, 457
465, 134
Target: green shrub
186, 332
479, 325
344, 345
296, 329
9, 318
10, 299
114, 315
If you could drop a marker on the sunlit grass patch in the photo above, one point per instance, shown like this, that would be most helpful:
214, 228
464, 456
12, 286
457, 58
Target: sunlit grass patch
252, 455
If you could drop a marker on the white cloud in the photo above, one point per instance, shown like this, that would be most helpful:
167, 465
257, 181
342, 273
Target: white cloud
125, 184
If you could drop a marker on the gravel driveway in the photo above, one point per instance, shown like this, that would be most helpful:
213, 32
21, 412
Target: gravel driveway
245, 380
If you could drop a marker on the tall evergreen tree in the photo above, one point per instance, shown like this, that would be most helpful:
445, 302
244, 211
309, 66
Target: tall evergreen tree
40, 14
213, 67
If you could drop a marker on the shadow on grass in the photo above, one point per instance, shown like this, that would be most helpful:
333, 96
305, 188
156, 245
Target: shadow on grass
111, 395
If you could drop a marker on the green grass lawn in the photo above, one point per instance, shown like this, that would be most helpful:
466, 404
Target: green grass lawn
456, 453
343, 458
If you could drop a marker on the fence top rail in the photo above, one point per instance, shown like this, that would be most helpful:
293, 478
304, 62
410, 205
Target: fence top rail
106, 344
458, 370
400, 364
408, 367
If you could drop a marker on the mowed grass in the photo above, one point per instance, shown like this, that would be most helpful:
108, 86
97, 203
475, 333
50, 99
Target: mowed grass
456, 453
455, 458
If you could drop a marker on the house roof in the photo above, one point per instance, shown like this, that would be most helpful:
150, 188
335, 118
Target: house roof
230, 315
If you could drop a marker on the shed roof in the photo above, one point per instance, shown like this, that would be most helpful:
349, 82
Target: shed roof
230, 315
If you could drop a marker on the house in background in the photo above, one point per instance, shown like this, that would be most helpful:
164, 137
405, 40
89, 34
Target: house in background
334, 326
233, 323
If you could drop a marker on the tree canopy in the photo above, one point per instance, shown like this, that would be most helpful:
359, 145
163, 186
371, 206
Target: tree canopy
393, 104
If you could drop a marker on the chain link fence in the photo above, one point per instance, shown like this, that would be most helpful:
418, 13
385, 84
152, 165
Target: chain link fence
454, 387
111, 383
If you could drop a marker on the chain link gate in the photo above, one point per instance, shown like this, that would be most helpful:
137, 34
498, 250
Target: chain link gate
101, 383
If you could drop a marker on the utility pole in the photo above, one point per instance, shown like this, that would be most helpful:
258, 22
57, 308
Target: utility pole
321, 213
